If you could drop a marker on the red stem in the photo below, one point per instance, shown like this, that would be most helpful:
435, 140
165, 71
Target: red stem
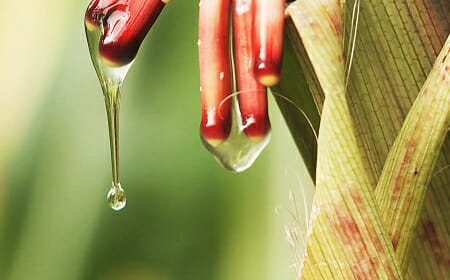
252, 95
215, 70
269, 22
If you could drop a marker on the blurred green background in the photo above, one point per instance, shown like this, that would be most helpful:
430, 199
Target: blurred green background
186, 218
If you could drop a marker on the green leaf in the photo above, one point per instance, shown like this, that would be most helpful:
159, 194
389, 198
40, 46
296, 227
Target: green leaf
296, 103
390, 47
347, 238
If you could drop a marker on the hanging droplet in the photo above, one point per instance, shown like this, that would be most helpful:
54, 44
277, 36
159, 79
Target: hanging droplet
111, 79
239, 151
116, 197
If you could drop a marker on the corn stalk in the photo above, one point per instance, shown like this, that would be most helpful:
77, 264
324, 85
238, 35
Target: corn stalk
380, 208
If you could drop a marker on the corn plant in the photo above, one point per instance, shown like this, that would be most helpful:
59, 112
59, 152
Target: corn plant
364, 89
378, 72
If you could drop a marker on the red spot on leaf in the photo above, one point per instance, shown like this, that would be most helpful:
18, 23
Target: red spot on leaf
335, 20
399, 179
394, 240
370, 227
358, 200
429, 235
347, 230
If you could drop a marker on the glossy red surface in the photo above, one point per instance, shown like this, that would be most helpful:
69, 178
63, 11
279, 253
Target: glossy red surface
252, 95
125, 24
215, 69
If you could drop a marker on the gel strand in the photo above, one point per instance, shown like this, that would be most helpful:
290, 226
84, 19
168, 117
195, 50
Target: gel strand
111, 78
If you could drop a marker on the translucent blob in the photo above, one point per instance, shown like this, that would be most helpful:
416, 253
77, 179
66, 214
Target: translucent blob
111, 80
239, 151
116, 197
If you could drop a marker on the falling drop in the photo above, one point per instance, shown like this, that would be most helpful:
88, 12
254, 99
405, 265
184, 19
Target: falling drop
111, 79
116, 197
239, 151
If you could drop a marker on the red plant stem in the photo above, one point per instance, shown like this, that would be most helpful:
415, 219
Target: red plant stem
125, 24
215, 70
269, 22
252, 95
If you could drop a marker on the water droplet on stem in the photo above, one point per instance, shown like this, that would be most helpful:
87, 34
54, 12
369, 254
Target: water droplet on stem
111, 78
239, 151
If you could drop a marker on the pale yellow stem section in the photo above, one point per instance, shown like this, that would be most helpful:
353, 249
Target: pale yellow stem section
346, 238
410, 164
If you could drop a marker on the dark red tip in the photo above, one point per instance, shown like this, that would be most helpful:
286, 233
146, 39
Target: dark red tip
125, 24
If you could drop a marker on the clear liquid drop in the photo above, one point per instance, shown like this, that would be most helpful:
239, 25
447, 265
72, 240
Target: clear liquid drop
111, 80
239, 151
116, 197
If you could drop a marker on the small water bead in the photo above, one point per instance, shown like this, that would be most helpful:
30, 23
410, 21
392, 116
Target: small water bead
116, 197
